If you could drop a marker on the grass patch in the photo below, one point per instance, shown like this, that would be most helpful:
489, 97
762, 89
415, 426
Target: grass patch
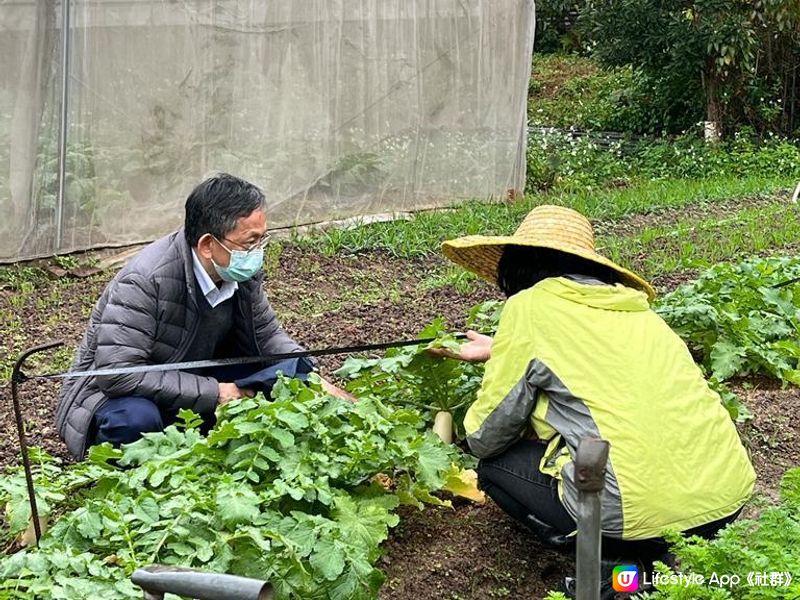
423, 234
362, 288
698, 244
462, 280
18, 278
26, 291
317, 304
15, 339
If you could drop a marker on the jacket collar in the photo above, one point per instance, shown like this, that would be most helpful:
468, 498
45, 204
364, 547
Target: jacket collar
185, 253
607, 297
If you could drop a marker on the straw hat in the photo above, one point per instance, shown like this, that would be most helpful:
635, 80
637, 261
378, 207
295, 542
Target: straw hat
545, 226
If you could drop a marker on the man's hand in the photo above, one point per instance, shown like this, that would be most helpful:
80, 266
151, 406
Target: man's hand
331, 389
477, 349
230, 391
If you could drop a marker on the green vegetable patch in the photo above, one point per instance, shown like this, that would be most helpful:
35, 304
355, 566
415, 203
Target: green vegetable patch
301, 491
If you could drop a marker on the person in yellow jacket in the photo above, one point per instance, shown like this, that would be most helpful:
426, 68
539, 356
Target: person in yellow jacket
578, 352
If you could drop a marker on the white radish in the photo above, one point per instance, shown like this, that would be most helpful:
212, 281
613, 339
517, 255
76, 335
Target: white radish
443, 426
28, 537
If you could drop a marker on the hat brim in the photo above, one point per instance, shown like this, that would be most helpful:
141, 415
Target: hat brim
481, 255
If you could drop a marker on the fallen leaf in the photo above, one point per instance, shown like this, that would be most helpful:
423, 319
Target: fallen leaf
464, 483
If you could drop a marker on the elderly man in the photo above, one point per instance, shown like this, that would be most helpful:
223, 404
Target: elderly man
193, 295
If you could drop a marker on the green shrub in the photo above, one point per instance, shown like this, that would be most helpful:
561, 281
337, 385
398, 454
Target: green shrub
282, 490
737, 321
571, 91
555, 25
557, 160
409, 377
730, 62
574, 91
761, 552
688, 156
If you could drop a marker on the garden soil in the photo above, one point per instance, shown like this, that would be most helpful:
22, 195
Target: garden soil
468, 551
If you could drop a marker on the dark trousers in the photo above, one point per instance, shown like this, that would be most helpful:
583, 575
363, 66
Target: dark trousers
124, 420
514, 482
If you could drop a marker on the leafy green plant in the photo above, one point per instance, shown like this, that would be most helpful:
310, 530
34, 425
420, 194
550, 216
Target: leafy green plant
19, 278
282, 490
412, 377
95, 175
737, 321
463, 281
55, 487
272, 255
409, 376
732, 403
66, 262
759, 551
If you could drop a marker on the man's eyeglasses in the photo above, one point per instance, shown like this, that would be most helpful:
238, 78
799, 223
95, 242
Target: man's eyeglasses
260, 243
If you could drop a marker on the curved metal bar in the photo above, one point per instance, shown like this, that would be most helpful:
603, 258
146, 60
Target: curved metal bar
590, 469
244, 360
157, 580
18, 377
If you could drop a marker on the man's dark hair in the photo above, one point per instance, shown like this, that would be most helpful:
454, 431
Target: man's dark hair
522, 267
217, 203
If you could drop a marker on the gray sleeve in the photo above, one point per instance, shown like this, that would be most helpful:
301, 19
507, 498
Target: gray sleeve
506, 424
125, 337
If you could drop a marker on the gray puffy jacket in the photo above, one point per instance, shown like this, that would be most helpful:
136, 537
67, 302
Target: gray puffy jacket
148, 314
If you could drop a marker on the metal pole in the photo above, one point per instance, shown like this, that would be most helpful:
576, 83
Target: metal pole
590, 467
157, 580
17, 377
63, 125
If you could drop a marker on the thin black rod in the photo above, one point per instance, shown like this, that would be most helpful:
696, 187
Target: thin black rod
788, 282
245, 360
17, 377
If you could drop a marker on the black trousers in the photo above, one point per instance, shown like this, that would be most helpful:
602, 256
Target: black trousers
514, 482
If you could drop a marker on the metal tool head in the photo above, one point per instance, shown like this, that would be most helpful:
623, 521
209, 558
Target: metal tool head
590, 464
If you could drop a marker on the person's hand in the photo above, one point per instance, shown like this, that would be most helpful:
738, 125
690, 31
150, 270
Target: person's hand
477, 349
230, 391
331, 389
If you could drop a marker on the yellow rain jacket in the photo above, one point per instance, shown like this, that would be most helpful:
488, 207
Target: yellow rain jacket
576, 359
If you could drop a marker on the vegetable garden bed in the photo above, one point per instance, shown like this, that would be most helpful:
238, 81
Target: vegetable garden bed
468, 551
